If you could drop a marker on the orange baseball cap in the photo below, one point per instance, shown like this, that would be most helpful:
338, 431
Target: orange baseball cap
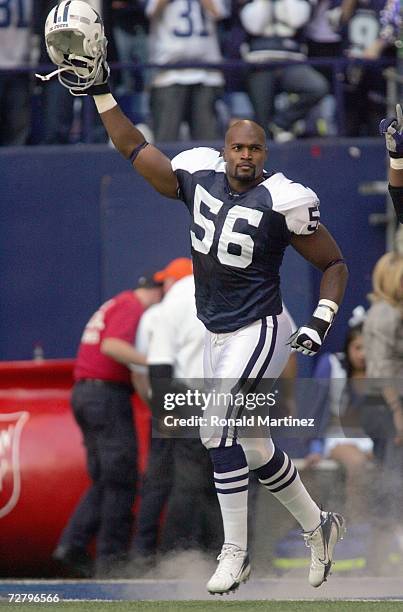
177, 269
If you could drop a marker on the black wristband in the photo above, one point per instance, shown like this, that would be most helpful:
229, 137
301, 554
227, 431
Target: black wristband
395, 155
136, 151
335, 262
97, 90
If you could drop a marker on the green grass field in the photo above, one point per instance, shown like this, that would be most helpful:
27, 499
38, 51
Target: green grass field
212, 606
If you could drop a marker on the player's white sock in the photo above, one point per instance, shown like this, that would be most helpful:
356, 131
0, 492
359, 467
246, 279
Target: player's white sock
280, 477
231, 477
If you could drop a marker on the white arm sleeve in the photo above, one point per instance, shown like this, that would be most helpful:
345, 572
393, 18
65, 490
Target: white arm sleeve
304, 217
144, 334
298, 204
162, 349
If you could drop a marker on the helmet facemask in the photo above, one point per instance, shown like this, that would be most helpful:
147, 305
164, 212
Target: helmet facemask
78, 71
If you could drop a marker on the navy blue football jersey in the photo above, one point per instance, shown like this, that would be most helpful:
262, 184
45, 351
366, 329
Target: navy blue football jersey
238, 240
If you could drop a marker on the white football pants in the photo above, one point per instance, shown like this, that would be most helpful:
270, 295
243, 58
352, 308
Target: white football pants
256, 351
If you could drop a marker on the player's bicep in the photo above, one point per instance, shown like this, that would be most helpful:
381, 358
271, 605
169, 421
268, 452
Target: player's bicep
319, 248
156, 168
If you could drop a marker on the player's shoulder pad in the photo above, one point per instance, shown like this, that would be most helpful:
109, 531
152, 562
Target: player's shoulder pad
286, 194
298, 204
199, 158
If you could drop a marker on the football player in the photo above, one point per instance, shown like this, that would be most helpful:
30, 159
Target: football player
243, 218
392, 129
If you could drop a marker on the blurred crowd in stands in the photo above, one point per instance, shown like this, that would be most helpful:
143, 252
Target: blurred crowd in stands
260, 48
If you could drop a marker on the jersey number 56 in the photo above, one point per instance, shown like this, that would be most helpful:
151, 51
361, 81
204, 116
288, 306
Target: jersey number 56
245, 243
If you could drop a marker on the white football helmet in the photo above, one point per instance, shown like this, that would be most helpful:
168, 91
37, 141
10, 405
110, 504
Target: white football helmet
75, 41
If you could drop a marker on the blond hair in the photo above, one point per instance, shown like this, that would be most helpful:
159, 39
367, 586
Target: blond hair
387, 280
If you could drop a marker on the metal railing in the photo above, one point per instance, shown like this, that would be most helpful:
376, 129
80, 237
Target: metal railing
337, 67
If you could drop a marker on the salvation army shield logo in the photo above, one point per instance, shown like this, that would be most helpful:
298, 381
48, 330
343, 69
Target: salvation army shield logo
11, 426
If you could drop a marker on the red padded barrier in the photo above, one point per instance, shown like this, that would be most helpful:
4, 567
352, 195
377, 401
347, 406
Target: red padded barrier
42, 461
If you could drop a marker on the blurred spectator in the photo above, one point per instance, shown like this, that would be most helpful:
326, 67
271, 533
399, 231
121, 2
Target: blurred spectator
273, 27
391, 21
324, 41
382, 412
101, 403
337, 410
321, 33
129, 27
232, 36
392, 32
184, 31
16, 29
175, 359
57, 103
365, 101
332, 398
158, 478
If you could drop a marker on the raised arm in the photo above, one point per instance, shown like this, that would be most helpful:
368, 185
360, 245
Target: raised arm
149, 161
392, 129
79, 52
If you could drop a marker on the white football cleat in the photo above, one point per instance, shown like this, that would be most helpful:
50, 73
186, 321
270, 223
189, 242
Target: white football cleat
322, 541
233, 568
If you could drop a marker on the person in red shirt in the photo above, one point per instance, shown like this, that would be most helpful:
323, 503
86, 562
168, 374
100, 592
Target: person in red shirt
101, 402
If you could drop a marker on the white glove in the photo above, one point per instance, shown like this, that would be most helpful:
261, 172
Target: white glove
309, 338
392, 129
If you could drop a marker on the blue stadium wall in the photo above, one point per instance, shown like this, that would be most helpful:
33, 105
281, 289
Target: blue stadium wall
78, 225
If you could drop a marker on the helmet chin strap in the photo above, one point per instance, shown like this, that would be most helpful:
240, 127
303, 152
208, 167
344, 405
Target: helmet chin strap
47, 77
76, 89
